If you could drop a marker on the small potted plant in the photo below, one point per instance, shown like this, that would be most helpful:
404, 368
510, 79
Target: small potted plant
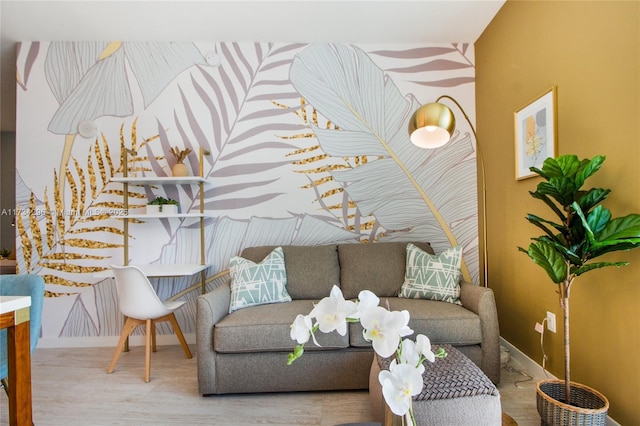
5, 253
581, 231
161, 205
179, 168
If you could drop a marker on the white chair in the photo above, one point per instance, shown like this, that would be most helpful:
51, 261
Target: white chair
140, 304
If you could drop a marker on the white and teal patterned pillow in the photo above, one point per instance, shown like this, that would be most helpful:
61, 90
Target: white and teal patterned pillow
258, 283
432, 277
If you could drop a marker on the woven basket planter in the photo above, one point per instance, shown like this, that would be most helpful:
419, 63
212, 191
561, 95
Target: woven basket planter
588, 406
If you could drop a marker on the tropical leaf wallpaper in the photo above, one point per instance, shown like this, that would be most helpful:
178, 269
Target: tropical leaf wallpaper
308, 145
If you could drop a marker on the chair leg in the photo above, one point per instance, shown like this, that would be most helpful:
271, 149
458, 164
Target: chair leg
129, 325
179, 335
147, 352
153, 336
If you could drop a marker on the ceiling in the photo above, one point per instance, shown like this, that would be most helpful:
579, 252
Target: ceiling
356, 21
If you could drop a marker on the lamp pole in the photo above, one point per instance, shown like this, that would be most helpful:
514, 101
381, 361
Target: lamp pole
431, 126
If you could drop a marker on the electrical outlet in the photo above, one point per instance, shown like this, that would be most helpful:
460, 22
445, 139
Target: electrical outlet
551, 322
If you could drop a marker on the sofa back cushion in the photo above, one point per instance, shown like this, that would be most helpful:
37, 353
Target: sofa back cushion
378, 267
311, 270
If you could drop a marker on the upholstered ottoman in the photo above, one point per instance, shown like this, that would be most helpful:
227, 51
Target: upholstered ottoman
455, 392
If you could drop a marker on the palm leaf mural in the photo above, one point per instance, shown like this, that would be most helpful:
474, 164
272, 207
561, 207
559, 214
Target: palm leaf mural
330, 194
234, 119
242, 129
82, 75
287, 165
346, 86
64, 243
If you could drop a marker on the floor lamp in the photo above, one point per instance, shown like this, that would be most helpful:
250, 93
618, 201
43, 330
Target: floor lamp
432, 126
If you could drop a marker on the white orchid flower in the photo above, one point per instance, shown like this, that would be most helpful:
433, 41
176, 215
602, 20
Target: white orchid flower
331, 312
301, 329
399, 384
366, 299
384, 329
423, 345
409, 353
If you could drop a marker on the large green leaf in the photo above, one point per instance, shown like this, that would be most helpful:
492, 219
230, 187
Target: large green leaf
549, 202
540, 223
550, 168
546, 256
569, 165
618, 234
585, 224
589, 199
600, 249
569, 254
539, 172
598, 219
626, 227
586, 268
559, 243
562, 189
588, 169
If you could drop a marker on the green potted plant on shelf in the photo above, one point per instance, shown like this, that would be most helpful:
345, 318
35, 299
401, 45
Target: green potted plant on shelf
161, 205
581, 231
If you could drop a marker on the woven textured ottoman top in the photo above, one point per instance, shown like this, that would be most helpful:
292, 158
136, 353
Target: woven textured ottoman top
451, 377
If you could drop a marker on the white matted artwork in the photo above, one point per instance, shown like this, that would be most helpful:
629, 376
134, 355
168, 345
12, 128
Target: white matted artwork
535, 133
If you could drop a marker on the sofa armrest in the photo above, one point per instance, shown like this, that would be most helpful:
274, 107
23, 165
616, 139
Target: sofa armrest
481, 301
211, 308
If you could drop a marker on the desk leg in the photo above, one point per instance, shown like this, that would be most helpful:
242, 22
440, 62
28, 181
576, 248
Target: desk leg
19, 360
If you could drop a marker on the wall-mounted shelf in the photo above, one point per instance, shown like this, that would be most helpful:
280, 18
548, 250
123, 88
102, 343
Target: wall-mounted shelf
163, 216
161, 180
165, 270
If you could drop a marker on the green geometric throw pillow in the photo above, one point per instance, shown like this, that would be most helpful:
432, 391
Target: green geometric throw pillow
432, 277
258, 283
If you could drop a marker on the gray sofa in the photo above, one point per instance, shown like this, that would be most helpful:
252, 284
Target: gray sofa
246, 351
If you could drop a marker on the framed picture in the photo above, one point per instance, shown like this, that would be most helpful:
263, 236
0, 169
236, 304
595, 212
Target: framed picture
535, 133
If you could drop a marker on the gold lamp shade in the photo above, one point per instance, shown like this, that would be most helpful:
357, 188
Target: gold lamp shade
432, 125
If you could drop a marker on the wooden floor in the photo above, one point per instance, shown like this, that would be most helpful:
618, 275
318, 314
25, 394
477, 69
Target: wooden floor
71, 387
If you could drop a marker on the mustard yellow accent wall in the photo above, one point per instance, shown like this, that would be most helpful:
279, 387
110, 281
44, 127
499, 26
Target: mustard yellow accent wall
590, 51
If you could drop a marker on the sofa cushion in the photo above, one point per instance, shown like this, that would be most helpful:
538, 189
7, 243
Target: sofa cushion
433, 277
267, 328
258, 283
311, 270
441, 322
379, 267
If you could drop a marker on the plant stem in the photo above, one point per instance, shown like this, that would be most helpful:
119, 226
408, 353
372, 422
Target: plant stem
567, 354
565, 288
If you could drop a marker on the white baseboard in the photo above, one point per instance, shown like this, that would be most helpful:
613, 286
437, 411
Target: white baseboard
109, 341
530, 366
535, 370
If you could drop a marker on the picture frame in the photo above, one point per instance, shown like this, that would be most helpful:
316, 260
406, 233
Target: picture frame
536, 133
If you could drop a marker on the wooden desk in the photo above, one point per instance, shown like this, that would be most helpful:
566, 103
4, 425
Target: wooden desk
14, 316
157, 270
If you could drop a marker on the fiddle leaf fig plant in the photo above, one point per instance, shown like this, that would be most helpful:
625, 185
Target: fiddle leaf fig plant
581, 230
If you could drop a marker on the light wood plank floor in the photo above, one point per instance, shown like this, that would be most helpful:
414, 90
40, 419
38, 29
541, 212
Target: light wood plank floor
71, 387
